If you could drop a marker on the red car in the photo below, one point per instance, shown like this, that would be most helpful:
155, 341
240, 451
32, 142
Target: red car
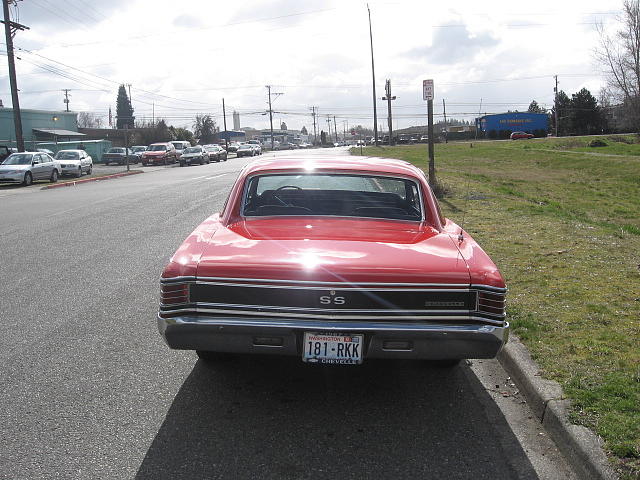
334, 260
520, 135
160, 154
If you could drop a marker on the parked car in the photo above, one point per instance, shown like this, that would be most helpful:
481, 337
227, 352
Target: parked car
180, 146
118, 155
45, 150
217, 153
245, 150
161, 153
257, 148
520, 135
233, 147
424, 139
25, 167
336, 260
74, 162
197, 154
138, 150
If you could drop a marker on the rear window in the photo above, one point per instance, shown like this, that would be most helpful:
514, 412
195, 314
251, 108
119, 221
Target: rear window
344, 195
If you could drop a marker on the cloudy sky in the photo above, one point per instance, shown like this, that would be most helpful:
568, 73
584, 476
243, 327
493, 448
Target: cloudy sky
182, 58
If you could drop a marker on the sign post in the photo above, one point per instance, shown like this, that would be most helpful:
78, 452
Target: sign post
427, 94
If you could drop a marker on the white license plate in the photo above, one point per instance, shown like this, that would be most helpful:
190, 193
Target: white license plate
332, 348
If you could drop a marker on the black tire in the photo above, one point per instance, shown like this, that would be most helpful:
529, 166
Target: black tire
54, 176
28, 179
79, 174
208, 356
90, 170
182, 164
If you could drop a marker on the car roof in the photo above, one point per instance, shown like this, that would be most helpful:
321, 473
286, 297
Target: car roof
334, 163
70, 150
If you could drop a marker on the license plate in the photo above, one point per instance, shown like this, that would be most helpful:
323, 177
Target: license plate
331, 348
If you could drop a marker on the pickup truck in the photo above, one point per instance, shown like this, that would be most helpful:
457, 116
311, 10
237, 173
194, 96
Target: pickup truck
118, 155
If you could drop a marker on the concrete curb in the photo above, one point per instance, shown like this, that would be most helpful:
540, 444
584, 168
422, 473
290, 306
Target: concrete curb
92, 179
581, 447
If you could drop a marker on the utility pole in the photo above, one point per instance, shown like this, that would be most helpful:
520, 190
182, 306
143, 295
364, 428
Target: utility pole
388, 98
373, 75
9, 31
432, 164
153, 113
66, 97
335, 128
444, 110
329, 126
226, 134
555, 103
126, 144
313, 114
271, 112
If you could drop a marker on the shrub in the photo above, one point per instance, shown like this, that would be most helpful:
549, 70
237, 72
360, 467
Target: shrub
597, 143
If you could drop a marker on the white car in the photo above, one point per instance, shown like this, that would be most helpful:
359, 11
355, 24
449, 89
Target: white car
25, 167
74, 162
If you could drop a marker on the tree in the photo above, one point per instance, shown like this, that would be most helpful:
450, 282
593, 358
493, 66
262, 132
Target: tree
620, 58
323, 137
304, 131
585, 114
124, 110
204, 128
89, 120
283, 126
182, 134
563, 104
535, 108
159, 132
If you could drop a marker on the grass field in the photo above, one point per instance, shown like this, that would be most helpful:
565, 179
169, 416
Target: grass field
561, 220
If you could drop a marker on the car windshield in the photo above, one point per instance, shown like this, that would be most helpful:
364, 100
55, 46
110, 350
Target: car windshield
18, 159
345, 195
193, 150
138, 149
157, 148
245, 147
116, 150
62, 155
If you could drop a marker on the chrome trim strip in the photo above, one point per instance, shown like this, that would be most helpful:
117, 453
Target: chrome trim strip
359, 326
355, 287
329, 317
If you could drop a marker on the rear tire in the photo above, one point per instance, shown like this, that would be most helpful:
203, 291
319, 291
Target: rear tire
208, 356
90, 170
79, 174
54, 176
28, 179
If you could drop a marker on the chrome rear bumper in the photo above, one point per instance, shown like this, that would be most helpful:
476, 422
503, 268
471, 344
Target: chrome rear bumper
429, 341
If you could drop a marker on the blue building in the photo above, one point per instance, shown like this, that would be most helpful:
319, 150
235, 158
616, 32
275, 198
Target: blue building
502, 124
39, 126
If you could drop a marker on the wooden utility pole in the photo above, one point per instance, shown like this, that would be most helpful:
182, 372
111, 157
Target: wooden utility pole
555, 103
271, 112
226, 134
373, 75
9, 30
313, 114
66, 97
388, 98
335, 128
432, 163
446, 132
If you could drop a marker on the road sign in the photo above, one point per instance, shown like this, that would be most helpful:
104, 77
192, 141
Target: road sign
427, 89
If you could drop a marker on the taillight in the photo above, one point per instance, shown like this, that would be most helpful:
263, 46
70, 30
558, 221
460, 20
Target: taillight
491, 302
173, 294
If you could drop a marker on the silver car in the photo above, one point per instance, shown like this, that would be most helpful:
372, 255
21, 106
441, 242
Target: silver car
25, 167
74, 162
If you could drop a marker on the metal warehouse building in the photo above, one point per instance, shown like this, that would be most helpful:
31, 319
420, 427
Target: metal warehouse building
502, 124
39, 126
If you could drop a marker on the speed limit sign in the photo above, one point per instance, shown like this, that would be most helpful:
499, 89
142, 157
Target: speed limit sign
427, 89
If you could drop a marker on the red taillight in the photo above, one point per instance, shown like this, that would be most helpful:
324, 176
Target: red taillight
173, 294
490, 302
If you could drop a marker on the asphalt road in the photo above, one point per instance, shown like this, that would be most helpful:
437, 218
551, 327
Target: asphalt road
89, 390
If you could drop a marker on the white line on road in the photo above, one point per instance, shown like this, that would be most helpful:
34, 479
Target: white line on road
215, 176
196, 178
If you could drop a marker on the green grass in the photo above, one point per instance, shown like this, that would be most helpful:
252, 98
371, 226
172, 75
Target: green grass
564, 229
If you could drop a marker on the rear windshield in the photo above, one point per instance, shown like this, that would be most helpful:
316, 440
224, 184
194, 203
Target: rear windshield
193, 150
343, 195
116, 150
62, 155
157, 148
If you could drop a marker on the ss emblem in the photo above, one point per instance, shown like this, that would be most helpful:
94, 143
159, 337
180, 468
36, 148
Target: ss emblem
332, 299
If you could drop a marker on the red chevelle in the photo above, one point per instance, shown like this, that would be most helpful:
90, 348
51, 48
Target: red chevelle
333, 260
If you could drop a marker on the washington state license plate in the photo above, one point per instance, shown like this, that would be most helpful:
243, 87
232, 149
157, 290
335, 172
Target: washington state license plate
332, 348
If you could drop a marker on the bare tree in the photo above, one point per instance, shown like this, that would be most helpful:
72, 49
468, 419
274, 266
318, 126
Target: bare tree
620, 57
89, 120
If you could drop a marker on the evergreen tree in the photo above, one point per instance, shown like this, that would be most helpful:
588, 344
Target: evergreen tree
204, 129
304, 131
124, 110
563, 104
585, 113
535, 108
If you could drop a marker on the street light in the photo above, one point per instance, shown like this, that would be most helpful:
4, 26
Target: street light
55, 137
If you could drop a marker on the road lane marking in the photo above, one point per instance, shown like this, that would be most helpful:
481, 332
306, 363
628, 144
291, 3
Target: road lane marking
215, 176
196, 178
